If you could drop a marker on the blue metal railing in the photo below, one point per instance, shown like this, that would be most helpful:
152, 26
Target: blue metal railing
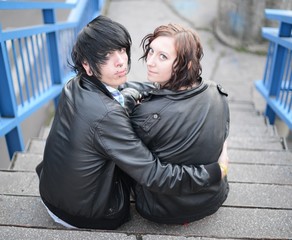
276, 86
33, 62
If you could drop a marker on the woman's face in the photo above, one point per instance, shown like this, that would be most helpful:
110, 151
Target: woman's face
114, 71
160, 58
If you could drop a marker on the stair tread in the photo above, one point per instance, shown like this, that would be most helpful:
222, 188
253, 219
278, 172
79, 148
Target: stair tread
26, 161
260, 157
35, 233
251, 131
268, 174
255, 143
29, 212
241, 194
19, 183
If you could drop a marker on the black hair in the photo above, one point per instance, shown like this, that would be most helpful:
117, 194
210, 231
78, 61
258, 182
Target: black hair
98, 38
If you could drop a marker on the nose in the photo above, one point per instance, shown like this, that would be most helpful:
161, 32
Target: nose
120, 61
150, 60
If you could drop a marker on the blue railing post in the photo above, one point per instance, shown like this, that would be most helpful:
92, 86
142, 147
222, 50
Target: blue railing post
53, 51
8, 105
276, 86
277, 69
276, 77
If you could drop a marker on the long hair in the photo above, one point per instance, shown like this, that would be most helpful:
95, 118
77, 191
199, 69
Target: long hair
99, 37
186, 69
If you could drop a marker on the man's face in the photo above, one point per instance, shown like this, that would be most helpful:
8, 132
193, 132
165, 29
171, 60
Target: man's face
114, 71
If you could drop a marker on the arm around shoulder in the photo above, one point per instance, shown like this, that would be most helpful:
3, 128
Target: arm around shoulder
130, 154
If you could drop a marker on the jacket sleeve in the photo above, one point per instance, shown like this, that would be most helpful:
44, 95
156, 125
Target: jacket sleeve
116, 136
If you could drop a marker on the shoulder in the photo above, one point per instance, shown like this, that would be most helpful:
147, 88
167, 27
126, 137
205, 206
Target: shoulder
217, 87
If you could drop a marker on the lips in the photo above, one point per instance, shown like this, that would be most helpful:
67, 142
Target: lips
151, 72
122, 73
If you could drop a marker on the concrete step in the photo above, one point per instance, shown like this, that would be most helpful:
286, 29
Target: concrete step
247, 118
240, 130
26, 161
45, 132
241, 194
36, 145
254, 195
246, 106
19, 233
256, 143
260, 157
19, 183
266, 174
225, 223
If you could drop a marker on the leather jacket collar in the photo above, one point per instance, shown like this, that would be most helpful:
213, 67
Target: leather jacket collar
178, 95
92, 83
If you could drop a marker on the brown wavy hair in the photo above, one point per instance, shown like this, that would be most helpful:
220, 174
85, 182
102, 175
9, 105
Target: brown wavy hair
186, 69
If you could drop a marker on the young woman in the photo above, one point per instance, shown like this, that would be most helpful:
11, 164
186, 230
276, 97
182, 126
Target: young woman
185, 116
92, 144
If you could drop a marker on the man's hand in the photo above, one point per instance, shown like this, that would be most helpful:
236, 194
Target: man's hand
131, 98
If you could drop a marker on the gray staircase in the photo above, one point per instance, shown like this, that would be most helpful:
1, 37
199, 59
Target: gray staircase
259, 205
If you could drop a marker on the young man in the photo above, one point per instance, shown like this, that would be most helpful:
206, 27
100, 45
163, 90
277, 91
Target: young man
92, 144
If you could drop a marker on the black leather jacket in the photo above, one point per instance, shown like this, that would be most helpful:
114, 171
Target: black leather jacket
185, 127
90, 145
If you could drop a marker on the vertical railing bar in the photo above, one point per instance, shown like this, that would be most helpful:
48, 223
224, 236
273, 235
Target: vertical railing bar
68, 47
30, 69
45, 56
290, 86
281, 93
24, 71
268, 63
17, 72
273, 48
35, 65
286, 79
60, 40
39, 57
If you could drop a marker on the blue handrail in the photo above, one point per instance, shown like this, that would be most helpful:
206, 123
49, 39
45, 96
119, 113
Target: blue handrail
276, 86
33, 62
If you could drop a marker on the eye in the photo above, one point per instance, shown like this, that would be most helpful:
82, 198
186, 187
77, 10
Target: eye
107, 55
151, 51
122, 50
162, 57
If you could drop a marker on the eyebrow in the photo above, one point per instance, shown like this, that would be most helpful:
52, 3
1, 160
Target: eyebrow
160, 51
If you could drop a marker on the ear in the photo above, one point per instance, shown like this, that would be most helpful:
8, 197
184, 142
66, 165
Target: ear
87, 68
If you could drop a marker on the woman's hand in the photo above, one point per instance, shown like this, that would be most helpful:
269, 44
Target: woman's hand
223, 160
